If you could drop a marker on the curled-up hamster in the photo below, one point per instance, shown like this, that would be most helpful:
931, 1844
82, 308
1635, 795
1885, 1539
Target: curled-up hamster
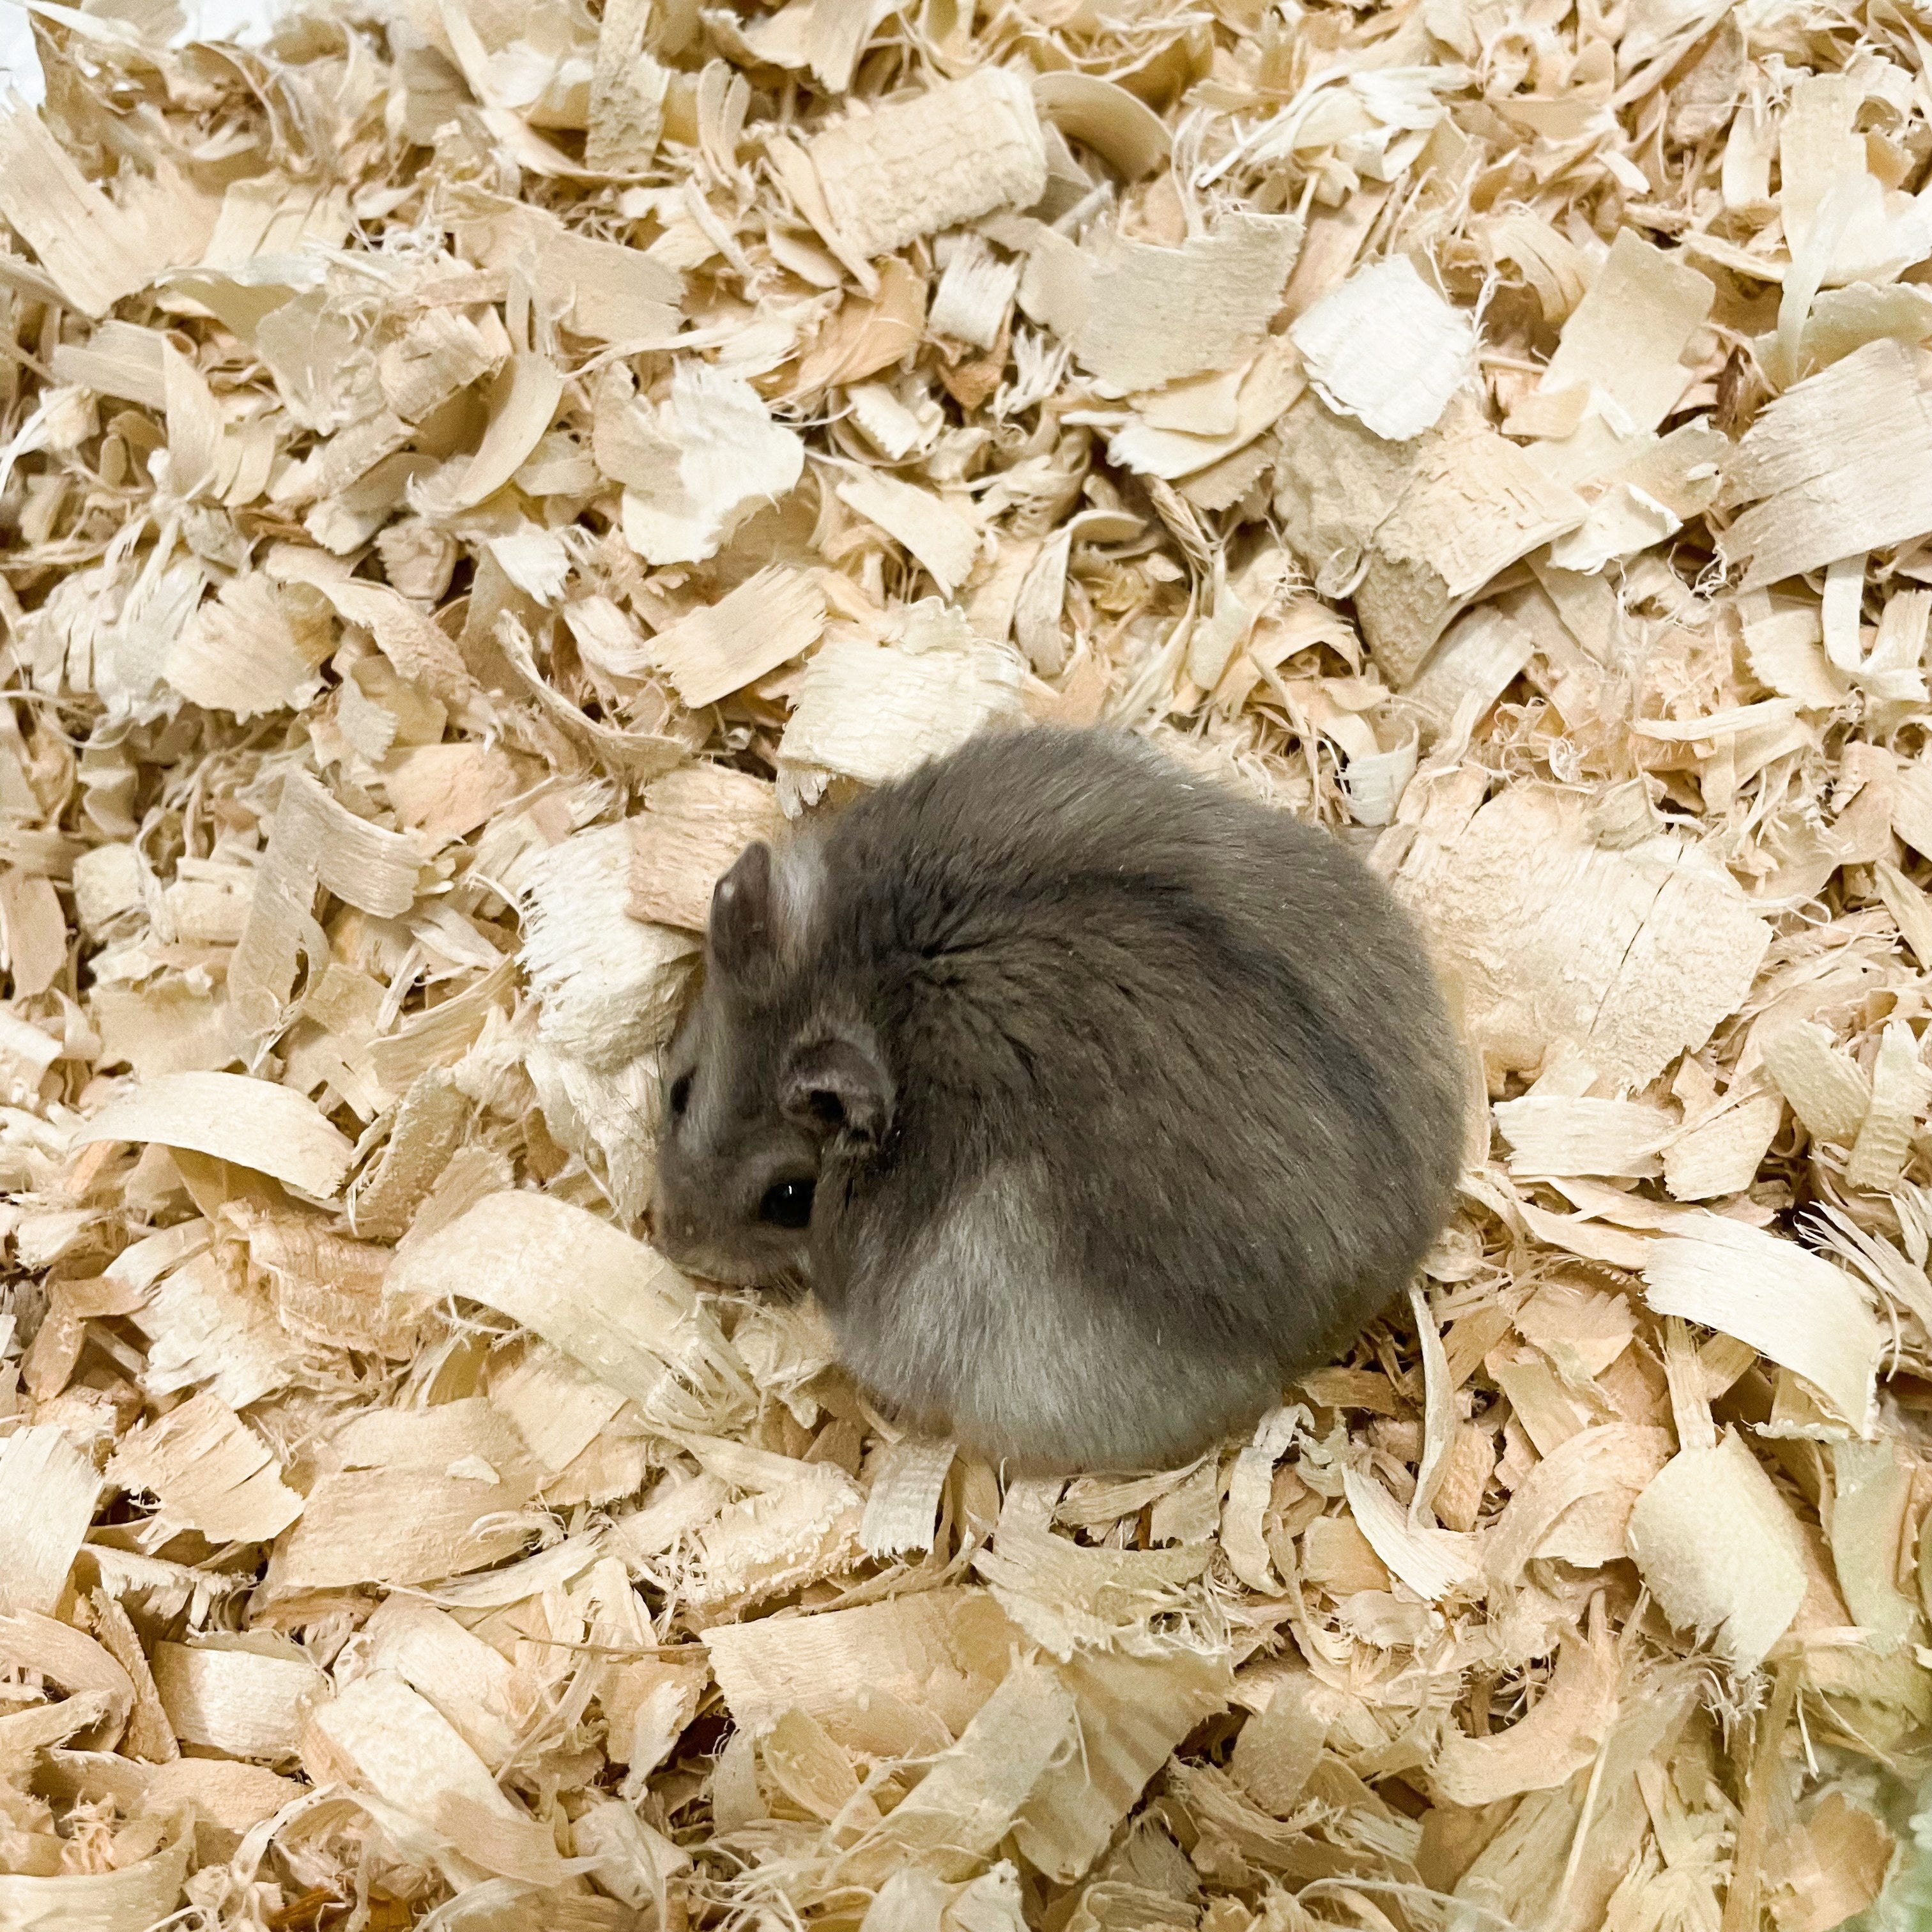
1093, 1101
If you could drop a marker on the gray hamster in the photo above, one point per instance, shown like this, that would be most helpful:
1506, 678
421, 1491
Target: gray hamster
1093, 1101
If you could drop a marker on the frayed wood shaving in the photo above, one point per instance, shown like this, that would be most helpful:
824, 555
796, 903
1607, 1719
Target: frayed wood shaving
205, 1325
638, 756
693, 825
47, 1494
626, 1315
628, 87
1901, 1087
1432, 1562
1064, 1596
246, 651
1895, 1275
872, 711
1554, 1134
434, 1791
422, 1496
419, 652
629, 1859
943, 538
1716, 1544
1385, 348
609, 986
974, 295
325, 1289
131, 1898
1147, 316
677, 1507
769, 620
766, 1545
709, 459
903, 1501
253, 1124
248, 1697
1789, 1304
957, 152
1560, 1735
207, 1471
1837, 465
1130, 1712
1633, 955
24, 1734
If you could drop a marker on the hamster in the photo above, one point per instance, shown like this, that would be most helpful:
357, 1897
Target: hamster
1093, 1101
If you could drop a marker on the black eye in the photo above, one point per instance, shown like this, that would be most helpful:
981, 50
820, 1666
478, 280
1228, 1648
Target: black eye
787, 1204
680, 1096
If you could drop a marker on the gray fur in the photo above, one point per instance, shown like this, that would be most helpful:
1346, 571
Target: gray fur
1127, 1099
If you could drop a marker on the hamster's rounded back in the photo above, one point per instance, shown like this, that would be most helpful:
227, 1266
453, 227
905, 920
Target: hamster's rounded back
1121, 1098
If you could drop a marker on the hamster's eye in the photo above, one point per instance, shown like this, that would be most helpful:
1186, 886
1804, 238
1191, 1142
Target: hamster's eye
787, 1204
680, 1096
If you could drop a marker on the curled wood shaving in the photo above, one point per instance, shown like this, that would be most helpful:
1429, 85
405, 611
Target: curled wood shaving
463, 476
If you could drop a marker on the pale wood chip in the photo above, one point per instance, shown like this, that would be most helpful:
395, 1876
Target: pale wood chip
1716, 1544
608, 1301
773, 616
47, 1493
208, 1471
1787, 1303
960, 150
253, 1124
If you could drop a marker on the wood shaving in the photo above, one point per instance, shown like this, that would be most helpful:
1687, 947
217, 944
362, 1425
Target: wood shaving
465, 474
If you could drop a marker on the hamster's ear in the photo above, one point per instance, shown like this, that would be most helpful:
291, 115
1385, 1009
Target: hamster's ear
742, 904
835, 1083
